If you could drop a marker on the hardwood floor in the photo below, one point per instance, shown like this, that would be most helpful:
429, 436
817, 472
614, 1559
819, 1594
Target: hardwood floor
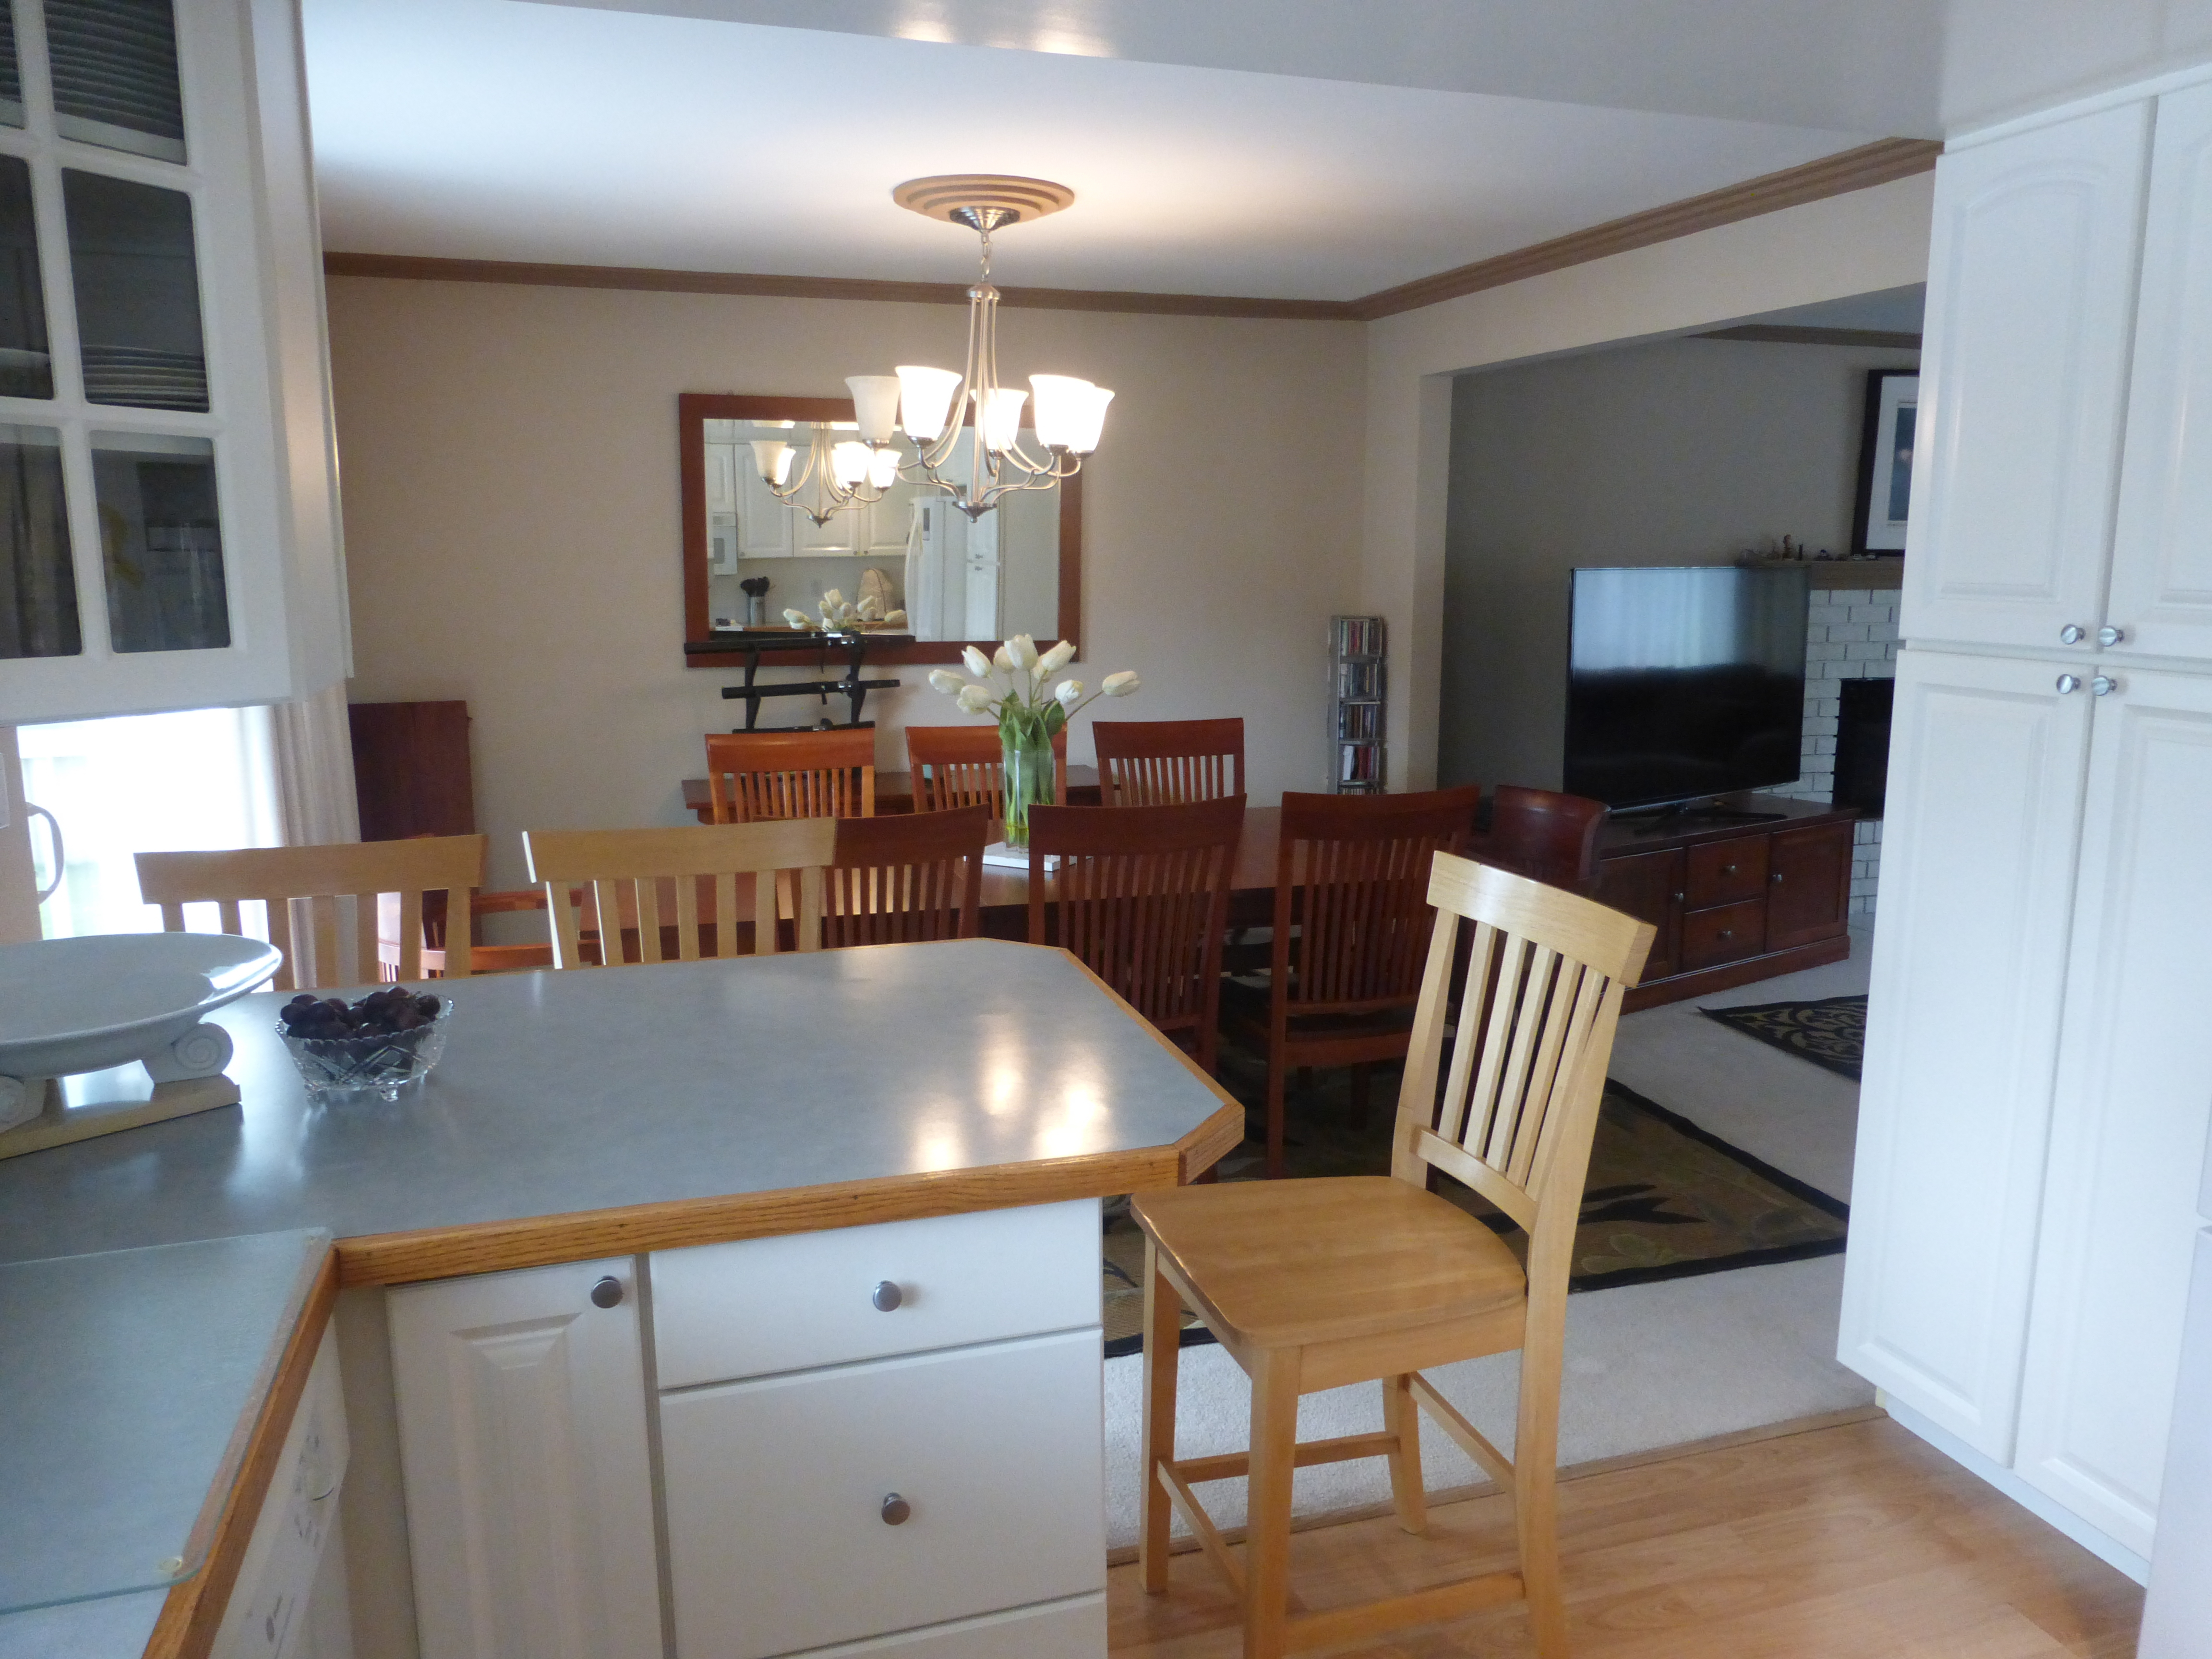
1856, 1542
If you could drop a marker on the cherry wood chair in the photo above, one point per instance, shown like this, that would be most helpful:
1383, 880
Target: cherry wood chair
1543, 835
1312, 1284
756, 775
907, 875
625, 871
1167, 762
318, 881
1350, 872
964, 766
1141, 897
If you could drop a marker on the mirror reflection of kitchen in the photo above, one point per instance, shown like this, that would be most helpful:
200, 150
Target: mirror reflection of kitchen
988, 579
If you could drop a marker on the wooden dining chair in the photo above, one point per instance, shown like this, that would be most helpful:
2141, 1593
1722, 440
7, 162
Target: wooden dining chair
756, 775
304, 887
627, 872
1312, 1284
965, 766
1166, 763
1351, 922
1543, 835
1141, 898
907, 876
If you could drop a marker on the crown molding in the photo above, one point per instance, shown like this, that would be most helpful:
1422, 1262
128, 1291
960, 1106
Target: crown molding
1878, 163
1782, 334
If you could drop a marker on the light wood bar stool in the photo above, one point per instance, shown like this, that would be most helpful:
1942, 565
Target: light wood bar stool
1311, 1285
756, 775
623, 870
1168, 763
357, 873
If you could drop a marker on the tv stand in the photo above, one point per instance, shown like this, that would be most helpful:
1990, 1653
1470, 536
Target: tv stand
1762, 887
1687, 814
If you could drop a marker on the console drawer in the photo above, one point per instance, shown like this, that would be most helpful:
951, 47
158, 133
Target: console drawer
763, 1305
775, 1489
1726, 932
1724, 872
1074, 1629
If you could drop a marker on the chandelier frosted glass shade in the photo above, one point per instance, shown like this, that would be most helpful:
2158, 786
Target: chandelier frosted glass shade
1069, 414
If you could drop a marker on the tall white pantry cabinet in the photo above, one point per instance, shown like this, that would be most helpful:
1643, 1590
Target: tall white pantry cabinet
2038, 1073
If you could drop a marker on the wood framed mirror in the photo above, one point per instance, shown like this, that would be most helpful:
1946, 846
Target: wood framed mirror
1020, 566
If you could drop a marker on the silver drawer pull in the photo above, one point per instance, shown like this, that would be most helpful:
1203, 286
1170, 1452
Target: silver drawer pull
2067, 685
896, 1511
607, 1293
2109, 636
887, 1296
2103, 686
2072, 634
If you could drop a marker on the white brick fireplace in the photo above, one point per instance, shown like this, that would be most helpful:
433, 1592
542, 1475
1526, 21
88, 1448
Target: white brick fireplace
1850, 634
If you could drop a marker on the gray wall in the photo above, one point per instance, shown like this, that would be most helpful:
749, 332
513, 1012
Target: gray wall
1686, 451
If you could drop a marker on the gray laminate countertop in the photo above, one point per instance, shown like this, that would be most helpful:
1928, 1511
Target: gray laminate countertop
129, 1378
592, 1089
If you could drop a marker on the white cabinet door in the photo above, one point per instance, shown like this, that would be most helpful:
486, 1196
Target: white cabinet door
763, 522
2161, 583
522, 1434
2128, 1133
2031, 286
1984, 798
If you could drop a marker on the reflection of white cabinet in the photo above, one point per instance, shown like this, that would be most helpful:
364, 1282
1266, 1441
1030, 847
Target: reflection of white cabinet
763, 522
722, 478
522, 1432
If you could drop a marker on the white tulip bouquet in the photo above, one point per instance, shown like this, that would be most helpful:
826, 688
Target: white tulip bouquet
1015, 686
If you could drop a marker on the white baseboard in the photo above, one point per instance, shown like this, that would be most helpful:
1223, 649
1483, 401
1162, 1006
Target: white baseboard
2039, 1505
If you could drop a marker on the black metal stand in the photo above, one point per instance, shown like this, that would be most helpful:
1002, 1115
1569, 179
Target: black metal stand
852, 687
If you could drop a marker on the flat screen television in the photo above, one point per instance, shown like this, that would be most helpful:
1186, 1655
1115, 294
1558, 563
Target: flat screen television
1684, 682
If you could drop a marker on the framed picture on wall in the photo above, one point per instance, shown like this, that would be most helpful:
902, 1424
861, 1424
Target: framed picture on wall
1886, 461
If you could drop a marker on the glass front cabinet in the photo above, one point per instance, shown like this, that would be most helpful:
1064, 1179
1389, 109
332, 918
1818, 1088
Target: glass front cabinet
168, 498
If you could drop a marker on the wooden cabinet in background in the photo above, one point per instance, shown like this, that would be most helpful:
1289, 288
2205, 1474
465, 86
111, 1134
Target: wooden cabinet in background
1733, 903
410, 769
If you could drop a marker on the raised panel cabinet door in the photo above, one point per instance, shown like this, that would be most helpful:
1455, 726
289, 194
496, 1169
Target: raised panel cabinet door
1808, 885
1649, 886
522, 1438
763, 523
1981, 825
2128, 1132
2161, 598
2031, 285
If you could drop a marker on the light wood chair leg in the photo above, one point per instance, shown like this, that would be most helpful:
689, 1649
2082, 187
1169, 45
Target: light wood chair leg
1162, 1353
1401, 1418
1267, 1503
1535, 1511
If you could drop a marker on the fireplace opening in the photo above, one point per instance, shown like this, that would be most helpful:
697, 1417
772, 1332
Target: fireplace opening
1863, 743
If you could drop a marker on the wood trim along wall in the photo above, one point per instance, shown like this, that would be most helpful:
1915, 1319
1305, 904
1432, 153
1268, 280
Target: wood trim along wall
1878, 163
1771, 334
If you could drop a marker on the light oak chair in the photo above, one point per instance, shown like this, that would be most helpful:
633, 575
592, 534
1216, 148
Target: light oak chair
318, 881
909, 876
965, 766
756, 775
625, 871
1312, 1284
1352, 923
1167, 762
1141, 897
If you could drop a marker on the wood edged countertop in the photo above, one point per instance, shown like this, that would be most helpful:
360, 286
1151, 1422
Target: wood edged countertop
597, 1112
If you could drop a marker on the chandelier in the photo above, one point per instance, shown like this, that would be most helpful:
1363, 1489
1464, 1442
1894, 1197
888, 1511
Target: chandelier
837, 475
944, 414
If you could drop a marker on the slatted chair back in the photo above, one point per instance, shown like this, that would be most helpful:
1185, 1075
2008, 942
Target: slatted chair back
636, 866
965, 766
909, 876
754, 776
1352, 874
1141, 897
1543, 835
305, 888
1523, 1063
1168, 762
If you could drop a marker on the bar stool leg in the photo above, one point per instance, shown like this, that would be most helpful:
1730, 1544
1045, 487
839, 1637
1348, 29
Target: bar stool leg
1401, 1419
1535, 1509
1267, 1503
1163, 1351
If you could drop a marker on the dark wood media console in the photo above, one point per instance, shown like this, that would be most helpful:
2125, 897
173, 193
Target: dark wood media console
1733, 903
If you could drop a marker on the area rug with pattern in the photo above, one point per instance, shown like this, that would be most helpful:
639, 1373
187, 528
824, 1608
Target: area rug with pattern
1831, 1032
1664, 1200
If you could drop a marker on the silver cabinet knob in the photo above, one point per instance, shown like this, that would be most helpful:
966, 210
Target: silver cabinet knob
1776, 877
607, 1293
2072, 634
2108, 636
1727, 932
2068, 684
1727, 869
2103, 686
886, 1296
896, 1511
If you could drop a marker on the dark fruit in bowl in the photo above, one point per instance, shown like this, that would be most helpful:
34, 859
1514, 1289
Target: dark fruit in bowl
380, 1013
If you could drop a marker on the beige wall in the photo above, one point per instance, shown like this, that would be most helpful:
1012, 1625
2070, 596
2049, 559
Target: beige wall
1861, 243
509, 464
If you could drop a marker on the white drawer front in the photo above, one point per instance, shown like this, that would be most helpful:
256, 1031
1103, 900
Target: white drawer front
764, 1305
1074, 1629
776, 1487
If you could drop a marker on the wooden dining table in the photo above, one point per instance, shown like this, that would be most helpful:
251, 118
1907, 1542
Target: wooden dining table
895, 793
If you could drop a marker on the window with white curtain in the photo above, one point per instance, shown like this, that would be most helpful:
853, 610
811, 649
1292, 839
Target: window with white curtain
197, 780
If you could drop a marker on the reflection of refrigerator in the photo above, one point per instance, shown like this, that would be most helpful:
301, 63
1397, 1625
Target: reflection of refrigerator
2177, 1613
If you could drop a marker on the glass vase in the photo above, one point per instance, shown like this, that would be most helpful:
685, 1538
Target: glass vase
1029, 782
